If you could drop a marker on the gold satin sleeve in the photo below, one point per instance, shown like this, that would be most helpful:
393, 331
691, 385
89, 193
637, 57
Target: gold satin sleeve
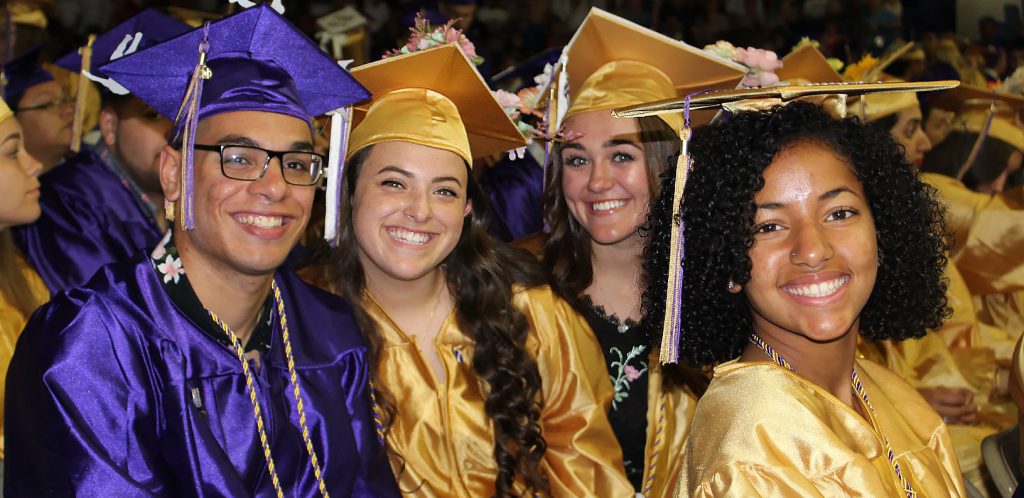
11, 324
583, 457
761, 430
988, 234
443, 442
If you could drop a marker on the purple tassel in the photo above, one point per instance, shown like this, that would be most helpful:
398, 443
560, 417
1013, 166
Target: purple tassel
189, 113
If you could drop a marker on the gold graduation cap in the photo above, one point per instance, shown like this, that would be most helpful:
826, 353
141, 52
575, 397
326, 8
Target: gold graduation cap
611, 62
807, 64
967, 97
875, 106
832, 95
5, 111
989, 113
434, 97
194, 18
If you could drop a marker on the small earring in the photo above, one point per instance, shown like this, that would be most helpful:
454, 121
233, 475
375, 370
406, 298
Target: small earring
168, 210
731, 285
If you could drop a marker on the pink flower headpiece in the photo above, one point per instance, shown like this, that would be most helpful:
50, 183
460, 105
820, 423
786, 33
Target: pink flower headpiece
761, 64
424, 36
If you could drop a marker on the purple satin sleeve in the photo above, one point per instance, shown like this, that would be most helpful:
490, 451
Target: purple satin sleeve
89, 219
112, 391
72, 430
515, 189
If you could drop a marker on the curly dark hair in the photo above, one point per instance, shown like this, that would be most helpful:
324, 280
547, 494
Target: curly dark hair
480, 275
728, 163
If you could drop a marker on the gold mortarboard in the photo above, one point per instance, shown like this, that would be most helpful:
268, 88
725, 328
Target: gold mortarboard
194, 18
434, 97
752, 99
967, 97
807, 64
875, 106
5, 111
612, 62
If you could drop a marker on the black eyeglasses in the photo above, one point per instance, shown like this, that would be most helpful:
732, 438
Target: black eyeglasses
248, 163
62, 101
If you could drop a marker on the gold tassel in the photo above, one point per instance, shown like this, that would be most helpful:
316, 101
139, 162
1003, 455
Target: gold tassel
673, 297
81, 94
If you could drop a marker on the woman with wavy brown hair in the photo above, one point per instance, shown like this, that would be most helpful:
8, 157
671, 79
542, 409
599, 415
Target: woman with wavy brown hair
603, 177
480, 383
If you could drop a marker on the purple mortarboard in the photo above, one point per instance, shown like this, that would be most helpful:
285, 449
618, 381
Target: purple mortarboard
21, 74
252, 61
145, 29
142, 30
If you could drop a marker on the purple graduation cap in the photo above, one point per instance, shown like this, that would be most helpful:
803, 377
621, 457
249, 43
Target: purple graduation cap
21, 74
252, 61
142, 30
145, 29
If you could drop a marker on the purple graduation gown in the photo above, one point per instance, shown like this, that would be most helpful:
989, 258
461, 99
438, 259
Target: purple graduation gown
112, 391
89, 218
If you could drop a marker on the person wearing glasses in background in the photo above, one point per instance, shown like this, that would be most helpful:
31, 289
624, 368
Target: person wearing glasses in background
41, 106
203, 369
103, 205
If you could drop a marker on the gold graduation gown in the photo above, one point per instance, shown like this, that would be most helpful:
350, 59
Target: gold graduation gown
669, 412
988, 234
443, 435
11, 324
761, 430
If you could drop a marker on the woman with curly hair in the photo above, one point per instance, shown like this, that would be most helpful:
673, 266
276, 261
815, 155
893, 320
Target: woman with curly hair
603, 178
480, 381
804, 233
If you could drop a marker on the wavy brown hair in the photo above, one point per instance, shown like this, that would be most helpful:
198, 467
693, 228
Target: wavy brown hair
567, 255
480, 274
567, 246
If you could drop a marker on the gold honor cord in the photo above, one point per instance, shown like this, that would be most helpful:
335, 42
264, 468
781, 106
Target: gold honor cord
293, 378
858, 387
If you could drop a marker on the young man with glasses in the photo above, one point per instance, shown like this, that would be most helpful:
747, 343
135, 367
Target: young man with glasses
103, 205
204, 369
42, 108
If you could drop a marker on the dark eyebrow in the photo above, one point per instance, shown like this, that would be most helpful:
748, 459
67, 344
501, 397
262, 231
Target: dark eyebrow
395, 169
12, 136
439, 179
298, 145
621, 141
408, 174
572, 145
834, 192
823, 197
237, 140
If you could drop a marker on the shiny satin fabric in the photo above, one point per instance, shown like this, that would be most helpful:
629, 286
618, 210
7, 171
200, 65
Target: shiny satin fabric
11, 324
418, 115
116, 393
623, 83
89, 218
761, 430
989, 236
443, 436
959, 354
669, 412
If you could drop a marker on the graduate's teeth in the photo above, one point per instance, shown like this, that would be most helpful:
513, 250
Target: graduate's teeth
260, 221
607, 205
821, 289
408, 236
